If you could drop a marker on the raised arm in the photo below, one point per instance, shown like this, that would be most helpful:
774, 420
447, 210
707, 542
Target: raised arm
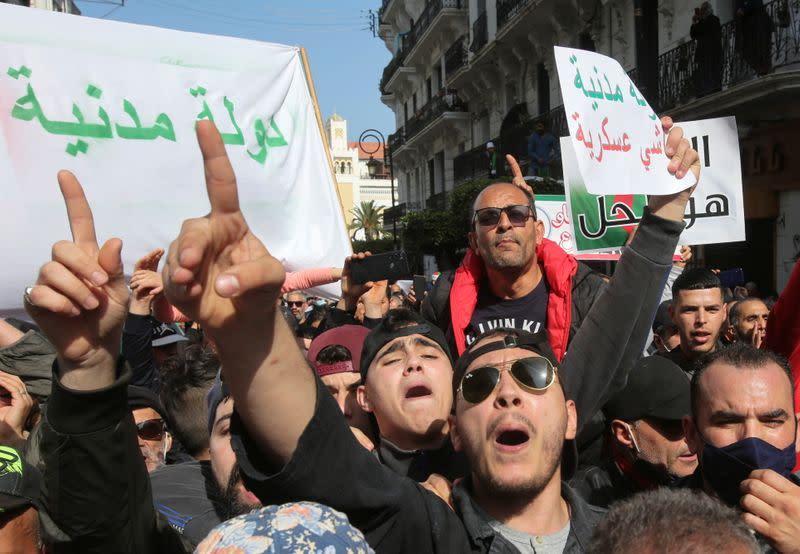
98, 491
615, 330
220, 275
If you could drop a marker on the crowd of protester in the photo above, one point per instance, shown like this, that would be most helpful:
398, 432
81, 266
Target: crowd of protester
523, 403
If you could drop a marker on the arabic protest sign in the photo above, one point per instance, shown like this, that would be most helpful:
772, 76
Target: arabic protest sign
715, 212
117, 104
552, 211
617, 137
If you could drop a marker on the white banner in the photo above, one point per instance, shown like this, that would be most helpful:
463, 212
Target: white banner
617, 137
116, 104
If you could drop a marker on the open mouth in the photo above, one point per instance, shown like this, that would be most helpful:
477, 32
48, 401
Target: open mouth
418, 392
512, 437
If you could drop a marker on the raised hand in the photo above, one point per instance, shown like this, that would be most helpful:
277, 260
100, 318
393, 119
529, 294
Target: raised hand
145, 282
517, 178
217, 272
15, 407
149, 261
683, 159
80, 298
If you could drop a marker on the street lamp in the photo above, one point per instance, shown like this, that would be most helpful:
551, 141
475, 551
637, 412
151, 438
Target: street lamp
376, 137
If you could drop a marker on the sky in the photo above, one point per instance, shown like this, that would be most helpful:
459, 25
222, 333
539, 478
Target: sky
346, 60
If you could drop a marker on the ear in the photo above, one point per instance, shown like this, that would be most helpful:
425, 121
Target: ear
572, 420
797, 433
168, 441
692, 436
473, 244
658, 342
363, 399
621, 433
539, 226
455, 436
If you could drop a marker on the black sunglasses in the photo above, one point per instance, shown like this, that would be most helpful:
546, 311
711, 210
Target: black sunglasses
518, 215
296, 303
151, 429
534, 374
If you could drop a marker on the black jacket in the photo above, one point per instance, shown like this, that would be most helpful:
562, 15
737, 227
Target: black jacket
96, 485
396, 514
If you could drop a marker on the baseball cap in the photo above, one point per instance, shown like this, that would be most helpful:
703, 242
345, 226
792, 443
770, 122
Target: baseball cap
490, 144
412, 324
20, 487
657, 388
167, 333
351, 337
662, 318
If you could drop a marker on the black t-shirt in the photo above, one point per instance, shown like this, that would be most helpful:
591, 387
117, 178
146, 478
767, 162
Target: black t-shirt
528, 313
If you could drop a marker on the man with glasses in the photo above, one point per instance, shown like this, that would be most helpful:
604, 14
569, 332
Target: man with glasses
645, 443
297, 305
511, 277
151, 430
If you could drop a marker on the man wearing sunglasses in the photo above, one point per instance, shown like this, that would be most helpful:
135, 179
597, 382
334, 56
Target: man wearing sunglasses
645, 443
151, 430
511, 276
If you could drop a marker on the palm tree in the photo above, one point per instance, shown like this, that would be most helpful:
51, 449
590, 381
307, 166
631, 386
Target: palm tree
367, 217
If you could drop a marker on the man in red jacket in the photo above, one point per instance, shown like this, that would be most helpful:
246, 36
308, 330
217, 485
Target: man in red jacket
511, 276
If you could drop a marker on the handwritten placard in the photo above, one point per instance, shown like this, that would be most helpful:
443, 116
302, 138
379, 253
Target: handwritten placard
617, 137
117, 104
552, 211
715, 213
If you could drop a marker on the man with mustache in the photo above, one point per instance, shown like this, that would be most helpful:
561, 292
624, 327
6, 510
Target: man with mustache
511, 276
698, 310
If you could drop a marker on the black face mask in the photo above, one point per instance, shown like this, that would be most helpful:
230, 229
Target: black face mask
725, 468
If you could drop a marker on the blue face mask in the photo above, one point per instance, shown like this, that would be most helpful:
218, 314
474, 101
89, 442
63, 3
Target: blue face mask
725, 468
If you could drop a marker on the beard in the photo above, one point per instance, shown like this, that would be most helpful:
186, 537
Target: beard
230, 502
497, 259
530, 487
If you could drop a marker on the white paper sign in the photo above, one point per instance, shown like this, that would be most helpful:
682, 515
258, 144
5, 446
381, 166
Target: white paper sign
715, 213
617, 137
117, 103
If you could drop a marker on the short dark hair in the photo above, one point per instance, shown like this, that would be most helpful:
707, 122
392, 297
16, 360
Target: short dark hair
334, 353
697, 278
185, 381
739, 355
670, 520
735, 312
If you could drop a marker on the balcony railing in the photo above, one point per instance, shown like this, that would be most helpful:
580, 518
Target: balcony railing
456, 56
474, 164
395, 64
506, 9
446, 101
393, 213
429, 13
437, 201
397, 139
480, 34
746, 52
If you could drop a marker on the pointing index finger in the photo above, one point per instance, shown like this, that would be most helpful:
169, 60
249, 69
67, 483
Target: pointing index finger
220, 179
81, 221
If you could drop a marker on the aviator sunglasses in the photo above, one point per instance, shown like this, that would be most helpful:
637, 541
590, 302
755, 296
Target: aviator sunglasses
534, 374
518, 215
